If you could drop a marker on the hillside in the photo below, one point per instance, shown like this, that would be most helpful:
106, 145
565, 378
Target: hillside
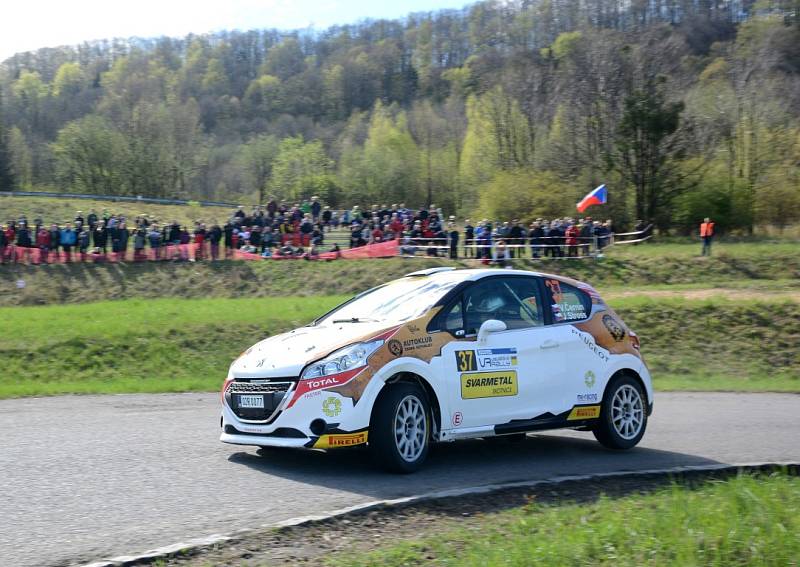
684, 109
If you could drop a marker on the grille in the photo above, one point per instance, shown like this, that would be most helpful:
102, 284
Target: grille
273, 394
258, 388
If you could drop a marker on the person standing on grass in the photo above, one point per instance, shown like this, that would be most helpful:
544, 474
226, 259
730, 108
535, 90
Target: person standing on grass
68, 239
228, 232
139, 238
55, 239
3, 243
571, 236
214, 236
453, 237
154, 236
707, 235
100, 236
122, 241
83, 242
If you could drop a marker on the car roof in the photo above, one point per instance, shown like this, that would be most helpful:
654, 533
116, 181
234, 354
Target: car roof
472, 274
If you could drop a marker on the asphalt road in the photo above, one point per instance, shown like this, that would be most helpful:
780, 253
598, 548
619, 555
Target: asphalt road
87, 477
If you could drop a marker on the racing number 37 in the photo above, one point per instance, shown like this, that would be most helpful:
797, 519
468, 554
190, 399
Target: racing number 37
465, 360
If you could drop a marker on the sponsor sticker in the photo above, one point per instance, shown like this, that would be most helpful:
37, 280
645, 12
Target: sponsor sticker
414, 344
395, 347
489, 385
332, 407
572, 311
588, 340
465, 360
334, 440
486, 359
589, 379
585, 398
614, 327
584, 412
458, 418
312, 384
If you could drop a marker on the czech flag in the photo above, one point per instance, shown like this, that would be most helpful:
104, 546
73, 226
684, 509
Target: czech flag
597, 197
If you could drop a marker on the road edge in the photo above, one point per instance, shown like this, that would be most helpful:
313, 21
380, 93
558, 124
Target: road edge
198, 544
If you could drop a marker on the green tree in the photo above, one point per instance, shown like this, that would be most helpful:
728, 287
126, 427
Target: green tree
646, 145
7, 181
391, 158
21, 158
257, 158
301, 170
92, 156
526, 194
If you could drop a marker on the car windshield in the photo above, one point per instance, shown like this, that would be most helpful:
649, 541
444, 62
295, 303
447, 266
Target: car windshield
396, 301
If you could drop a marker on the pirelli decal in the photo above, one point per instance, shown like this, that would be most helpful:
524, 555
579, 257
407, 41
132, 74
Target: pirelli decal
489, 385
336, 440
584, 412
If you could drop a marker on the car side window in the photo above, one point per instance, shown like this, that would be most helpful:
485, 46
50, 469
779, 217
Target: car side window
513, 300
452, 320
567, 302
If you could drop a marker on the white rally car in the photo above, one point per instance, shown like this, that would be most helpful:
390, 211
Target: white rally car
440, 355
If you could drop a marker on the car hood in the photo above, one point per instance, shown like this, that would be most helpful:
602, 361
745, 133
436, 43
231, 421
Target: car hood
286, 355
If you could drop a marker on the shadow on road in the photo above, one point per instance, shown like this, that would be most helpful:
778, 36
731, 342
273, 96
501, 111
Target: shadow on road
461, 464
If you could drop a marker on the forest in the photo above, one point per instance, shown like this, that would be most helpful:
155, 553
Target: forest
502, 109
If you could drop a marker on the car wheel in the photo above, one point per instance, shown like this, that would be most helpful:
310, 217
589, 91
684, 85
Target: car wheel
623, 415
399, 433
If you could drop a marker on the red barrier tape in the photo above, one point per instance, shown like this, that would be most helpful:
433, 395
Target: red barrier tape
180, 252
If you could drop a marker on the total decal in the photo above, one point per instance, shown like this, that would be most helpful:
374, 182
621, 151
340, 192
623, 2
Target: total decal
311, 387
485, 359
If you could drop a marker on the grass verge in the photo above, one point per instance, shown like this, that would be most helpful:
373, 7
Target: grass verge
748, 520
63, 210
162, 345
622, 269
168, 345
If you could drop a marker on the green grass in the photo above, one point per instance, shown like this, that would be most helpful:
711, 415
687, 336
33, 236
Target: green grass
60, 210
688, 247
622, 269
163, 345
717, 344
743, 521
166, 345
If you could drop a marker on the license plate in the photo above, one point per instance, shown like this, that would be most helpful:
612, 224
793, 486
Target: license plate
251, 402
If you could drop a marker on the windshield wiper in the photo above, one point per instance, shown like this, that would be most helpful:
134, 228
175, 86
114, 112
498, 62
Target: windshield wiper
356, 320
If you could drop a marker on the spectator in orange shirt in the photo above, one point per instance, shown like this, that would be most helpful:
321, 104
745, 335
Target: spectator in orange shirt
707, 234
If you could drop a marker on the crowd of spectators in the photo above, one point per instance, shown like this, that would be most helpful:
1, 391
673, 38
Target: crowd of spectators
301, 230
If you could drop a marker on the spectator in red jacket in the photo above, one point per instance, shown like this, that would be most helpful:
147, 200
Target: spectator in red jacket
571, 239
43, 242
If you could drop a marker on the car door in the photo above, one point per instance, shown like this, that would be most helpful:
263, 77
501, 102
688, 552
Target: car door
584, 361
510, 375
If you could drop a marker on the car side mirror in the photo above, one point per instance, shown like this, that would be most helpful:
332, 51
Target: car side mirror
490, 326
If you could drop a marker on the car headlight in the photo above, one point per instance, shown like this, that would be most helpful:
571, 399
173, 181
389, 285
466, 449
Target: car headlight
347, 358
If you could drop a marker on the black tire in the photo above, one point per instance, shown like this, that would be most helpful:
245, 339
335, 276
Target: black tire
613, 435
382, 437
